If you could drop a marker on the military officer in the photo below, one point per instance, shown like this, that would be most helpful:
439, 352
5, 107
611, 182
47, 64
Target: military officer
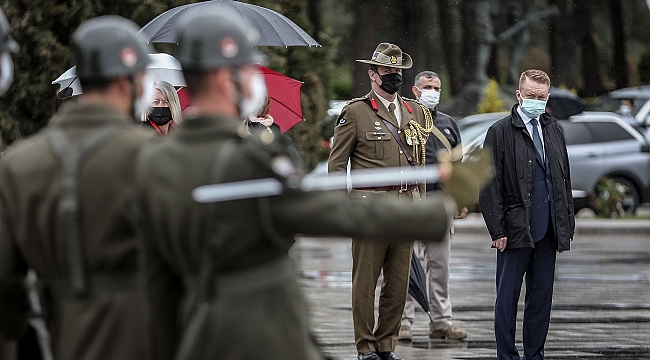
66, 204
381, 129
223, 268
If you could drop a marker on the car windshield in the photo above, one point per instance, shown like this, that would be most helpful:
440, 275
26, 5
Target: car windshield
613, 104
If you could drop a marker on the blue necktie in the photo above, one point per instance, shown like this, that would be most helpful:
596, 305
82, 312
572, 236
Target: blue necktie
536, 139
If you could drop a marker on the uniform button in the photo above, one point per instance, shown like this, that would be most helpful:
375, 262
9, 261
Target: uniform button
399, 131
401, 152
400, 191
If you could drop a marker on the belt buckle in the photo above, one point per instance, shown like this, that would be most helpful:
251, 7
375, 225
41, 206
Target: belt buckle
403, 185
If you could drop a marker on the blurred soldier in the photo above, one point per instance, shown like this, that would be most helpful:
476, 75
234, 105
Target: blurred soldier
381, 129
66, 204
223, 268
7, 45
445, 137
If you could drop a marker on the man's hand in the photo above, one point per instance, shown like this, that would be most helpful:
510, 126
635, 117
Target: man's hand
500, 243
462, 214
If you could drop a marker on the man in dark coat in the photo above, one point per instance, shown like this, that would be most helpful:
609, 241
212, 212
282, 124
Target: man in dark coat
71, 222
528, 210
218, 275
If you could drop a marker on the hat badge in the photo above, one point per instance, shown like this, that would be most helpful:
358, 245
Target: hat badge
228, 47
393, 59
128, 56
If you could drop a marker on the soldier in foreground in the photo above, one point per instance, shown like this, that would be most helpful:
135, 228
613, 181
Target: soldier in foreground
66, 204
7, 45
223, 268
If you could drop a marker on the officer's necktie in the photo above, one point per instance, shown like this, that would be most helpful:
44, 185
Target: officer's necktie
536, 139
391, 109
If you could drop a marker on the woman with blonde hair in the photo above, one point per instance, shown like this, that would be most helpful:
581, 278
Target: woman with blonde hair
165, 111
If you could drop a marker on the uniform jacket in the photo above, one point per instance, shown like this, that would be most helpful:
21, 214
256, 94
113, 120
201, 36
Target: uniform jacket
242, 235
506, 201
448, 127
361, 136
108, 326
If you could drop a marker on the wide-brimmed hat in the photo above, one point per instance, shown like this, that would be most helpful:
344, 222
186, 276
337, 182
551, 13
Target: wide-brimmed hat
389, 55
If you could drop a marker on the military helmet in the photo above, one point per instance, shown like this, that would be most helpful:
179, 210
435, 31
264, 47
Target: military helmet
209, 39
109, 46
6, 42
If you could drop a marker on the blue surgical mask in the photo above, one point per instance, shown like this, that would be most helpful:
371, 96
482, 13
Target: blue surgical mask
533, 108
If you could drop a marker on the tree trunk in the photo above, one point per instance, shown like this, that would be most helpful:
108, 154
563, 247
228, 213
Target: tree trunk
365, 35
593, 85
314, 11
477, 35
562, 42
449, 44
619, 68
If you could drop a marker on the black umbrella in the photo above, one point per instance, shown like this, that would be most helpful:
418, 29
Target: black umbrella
274, 29
418, 284
564, 103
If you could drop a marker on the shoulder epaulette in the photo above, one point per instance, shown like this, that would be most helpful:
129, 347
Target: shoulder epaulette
365, 97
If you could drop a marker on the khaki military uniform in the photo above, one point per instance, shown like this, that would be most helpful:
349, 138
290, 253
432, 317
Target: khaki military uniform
362, 137
106, 324
257, 310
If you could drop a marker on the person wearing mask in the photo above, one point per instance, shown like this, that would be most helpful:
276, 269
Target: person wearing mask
66, 197
445, 137
528, 211
218, 275
381, 129
165, 111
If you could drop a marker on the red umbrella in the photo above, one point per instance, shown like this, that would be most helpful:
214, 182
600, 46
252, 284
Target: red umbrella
284, 93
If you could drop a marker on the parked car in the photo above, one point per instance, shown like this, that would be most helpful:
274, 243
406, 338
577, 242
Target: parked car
639, 117
599, 145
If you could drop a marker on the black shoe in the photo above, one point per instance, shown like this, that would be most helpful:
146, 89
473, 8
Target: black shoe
388, 355
368, 356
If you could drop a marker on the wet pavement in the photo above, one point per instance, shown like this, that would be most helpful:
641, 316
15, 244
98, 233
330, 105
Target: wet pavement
601, 307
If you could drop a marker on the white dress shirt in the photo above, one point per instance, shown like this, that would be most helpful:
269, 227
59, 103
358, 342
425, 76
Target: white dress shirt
529, 127
398, 108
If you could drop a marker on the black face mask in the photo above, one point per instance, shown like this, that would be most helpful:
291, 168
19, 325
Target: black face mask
160, 115
391, 83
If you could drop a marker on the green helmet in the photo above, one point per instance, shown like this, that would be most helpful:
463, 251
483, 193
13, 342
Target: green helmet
109, 46
6, 42
209, 39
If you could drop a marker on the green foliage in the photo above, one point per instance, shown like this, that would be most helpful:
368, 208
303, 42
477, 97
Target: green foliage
607, 200
312, 65
44, 29
644, 67
491, 102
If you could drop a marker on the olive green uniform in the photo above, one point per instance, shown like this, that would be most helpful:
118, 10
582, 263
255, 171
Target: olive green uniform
257, 311
362, 137
106, 324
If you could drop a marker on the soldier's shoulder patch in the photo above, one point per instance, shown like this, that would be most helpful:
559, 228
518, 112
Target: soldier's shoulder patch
341, 121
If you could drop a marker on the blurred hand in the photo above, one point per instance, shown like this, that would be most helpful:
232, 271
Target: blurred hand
462, 214
467, 178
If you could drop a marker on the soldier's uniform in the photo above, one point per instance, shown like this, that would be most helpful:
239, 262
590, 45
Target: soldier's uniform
250, 307
7, 44
109, 318
363, 136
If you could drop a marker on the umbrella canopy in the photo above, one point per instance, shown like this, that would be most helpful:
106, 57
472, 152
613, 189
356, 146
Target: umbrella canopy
274, 29
418, 284
284, 93
564, 103
162, 67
